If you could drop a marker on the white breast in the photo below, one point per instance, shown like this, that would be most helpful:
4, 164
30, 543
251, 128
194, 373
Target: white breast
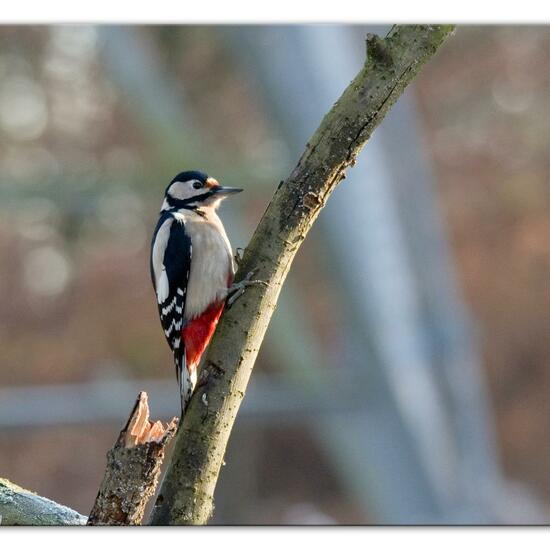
211, 262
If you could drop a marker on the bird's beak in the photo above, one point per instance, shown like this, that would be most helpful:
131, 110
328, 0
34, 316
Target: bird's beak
223, 191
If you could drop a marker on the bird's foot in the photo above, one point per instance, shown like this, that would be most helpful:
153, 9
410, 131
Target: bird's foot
239, 256
236, 290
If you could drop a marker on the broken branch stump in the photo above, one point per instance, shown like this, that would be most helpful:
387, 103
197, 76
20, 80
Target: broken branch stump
133, 468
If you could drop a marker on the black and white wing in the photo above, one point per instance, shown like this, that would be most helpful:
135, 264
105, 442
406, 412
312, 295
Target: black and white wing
170, 266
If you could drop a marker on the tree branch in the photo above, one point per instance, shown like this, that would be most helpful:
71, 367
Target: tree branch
21, 507
186, 495
133, 469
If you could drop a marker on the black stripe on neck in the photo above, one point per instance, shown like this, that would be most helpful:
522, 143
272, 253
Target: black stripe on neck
192, 203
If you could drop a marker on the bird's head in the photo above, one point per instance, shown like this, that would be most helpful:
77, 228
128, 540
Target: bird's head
191, 190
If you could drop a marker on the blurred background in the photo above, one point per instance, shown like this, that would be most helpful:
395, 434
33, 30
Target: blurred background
404, 376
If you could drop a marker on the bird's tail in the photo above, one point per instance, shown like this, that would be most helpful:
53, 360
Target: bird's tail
186, 380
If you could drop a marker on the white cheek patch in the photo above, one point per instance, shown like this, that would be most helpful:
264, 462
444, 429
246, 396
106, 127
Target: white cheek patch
184, 190
177, 190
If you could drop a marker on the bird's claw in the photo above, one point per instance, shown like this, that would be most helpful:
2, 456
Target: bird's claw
238, 256
236, 290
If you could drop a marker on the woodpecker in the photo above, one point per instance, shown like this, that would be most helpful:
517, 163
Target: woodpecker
192, 269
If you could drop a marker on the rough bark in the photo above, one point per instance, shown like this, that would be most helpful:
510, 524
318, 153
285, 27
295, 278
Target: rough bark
21, 507
133, 469
186, 494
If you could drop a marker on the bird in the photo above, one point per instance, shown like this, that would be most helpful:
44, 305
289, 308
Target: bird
192, 270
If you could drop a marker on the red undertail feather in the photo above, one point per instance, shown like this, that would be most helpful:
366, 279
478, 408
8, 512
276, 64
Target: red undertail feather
198, 332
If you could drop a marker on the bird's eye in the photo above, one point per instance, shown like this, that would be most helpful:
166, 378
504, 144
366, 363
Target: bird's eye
197, 184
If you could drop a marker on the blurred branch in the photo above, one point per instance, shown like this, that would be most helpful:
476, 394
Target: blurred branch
21, 507
270, 400
186, 495
133, 469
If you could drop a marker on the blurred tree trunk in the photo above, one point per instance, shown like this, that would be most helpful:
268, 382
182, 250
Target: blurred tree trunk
186, 495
